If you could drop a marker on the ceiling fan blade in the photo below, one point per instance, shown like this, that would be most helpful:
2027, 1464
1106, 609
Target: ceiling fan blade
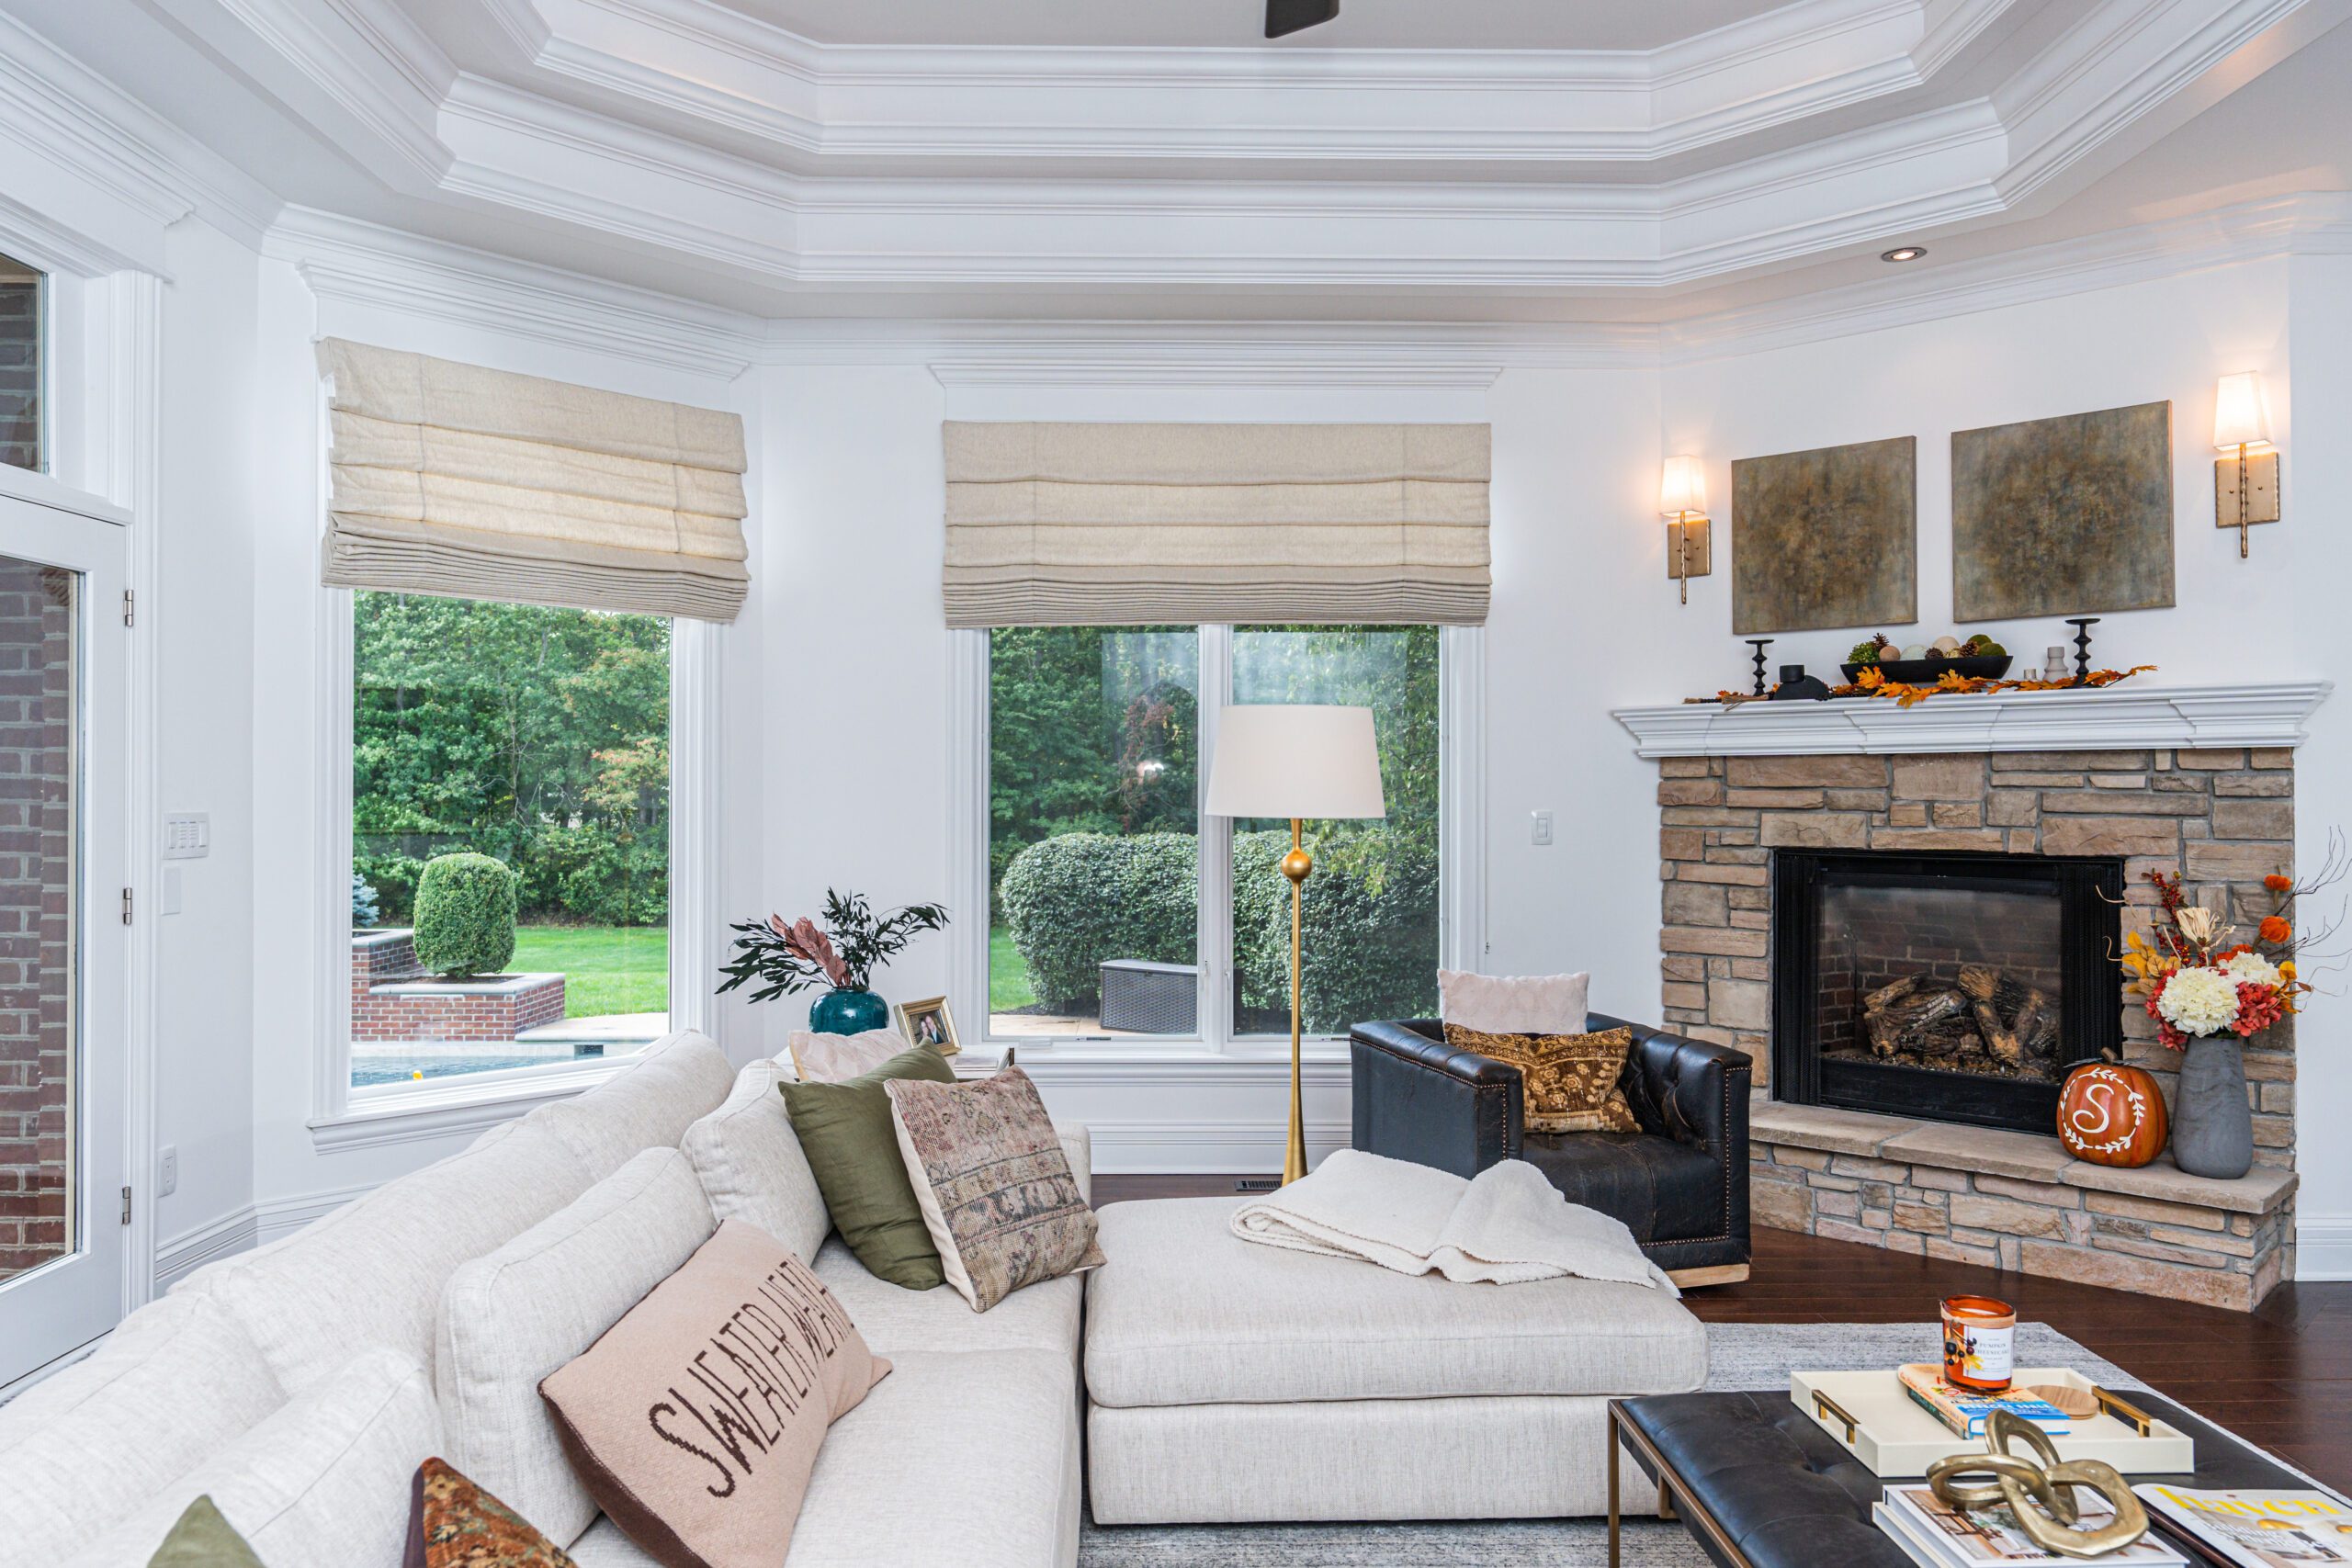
1284, 17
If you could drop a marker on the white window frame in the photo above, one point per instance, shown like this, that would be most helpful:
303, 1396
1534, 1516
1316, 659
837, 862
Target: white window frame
1460, 860
344, 1117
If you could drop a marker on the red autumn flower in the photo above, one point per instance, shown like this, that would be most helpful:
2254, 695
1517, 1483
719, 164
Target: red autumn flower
2165, 1033
2275, 928
2277, 884
2259, 1007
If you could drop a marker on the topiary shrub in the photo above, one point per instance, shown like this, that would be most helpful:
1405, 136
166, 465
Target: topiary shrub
1076, 899
465, 916
1370, 912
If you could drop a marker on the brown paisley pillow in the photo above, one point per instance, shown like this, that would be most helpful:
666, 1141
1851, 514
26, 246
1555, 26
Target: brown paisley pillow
1571, 1079
455, 1524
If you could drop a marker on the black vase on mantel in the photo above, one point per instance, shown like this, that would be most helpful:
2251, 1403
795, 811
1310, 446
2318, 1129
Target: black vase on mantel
1795, 683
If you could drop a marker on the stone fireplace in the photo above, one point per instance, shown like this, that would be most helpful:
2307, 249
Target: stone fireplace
1909, 919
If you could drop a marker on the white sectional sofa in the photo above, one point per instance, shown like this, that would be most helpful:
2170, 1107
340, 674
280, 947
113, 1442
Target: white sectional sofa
301, 1384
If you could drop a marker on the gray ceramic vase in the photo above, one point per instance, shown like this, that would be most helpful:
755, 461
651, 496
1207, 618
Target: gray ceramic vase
2212, 1125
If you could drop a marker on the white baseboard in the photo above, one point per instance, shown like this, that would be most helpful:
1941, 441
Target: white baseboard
2324, 1246
256, 1225
1252, 1148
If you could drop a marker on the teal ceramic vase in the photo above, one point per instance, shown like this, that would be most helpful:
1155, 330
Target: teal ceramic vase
848, 1012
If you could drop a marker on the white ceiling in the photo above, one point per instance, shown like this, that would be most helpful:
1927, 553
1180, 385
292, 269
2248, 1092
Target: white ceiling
1228, 24
1621, 161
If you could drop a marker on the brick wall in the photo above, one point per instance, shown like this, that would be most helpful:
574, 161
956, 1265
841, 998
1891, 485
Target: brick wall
19, 368
2221, 819
392, 999
37, 759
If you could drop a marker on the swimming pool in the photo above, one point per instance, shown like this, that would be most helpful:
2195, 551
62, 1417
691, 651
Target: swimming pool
366, 1070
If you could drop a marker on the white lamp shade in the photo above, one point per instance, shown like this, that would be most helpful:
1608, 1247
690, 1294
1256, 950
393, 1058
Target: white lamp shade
2238, 417
1295, 759
1683, 487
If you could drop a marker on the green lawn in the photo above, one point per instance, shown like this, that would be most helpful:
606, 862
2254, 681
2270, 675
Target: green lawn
606, 969
1008, 985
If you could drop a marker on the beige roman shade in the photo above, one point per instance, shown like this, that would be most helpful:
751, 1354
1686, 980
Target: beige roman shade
1145, 525
451, 478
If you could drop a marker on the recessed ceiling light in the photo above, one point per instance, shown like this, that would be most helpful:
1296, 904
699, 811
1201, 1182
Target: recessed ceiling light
1903, 254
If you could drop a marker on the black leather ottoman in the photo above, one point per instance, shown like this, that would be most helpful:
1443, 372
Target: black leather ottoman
1758, 1485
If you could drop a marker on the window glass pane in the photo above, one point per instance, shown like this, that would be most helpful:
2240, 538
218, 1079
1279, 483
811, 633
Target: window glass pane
23, 365
40, 726
539, 738
1371, 903
1093, 830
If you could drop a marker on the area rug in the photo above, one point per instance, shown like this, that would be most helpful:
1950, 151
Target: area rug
1740, 1355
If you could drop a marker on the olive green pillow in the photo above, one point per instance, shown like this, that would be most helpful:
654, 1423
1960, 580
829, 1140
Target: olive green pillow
203, 1538
853, 1148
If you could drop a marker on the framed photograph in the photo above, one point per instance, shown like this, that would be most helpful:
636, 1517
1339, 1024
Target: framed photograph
927, 1022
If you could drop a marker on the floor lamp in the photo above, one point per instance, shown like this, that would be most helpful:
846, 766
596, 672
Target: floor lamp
1298, 762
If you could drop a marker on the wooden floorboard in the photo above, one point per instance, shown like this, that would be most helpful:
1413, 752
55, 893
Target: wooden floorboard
2280, 1376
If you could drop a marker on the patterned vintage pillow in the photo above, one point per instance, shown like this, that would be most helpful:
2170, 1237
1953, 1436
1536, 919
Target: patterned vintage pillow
994, 1186
455, 1524
1571, 1078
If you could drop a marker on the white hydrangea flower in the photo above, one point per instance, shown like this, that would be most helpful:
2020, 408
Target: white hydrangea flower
2200, 1001
2255, 967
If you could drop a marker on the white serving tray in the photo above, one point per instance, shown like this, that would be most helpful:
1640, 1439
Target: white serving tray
1874, 1420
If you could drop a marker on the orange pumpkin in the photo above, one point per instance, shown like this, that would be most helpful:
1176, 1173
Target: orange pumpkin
2111, 1114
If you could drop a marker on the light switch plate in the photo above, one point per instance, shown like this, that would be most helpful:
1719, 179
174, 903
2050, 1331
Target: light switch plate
1539, 828
167, 1170
187, 835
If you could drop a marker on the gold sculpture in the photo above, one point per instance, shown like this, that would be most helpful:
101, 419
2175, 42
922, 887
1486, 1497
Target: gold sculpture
2020, 1483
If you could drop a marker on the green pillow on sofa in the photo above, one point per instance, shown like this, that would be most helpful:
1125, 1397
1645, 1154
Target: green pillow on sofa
203, 1538
853, 1148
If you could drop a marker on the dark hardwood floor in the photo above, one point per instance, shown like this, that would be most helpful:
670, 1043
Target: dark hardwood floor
2280, 1377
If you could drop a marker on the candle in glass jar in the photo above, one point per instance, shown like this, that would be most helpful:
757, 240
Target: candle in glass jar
1980, 1342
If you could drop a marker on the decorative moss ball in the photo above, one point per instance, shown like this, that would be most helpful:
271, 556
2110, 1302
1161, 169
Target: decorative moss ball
465, 916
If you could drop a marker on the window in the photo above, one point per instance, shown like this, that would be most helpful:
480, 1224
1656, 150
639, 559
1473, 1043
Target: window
1102, 919
23, 364
539, 738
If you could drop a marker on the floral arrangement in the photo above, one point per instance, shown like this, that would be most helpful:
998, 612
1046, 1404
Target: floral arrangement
843, 953
2197, 983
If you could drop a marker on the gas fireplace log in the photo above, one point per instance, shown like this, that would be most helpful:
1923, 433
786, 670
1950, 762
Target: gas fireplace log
1982, 986
1935, 1024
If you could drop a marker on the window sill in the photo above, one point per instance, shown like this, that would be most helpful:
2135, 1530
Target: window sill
455, 1107
1161, 1062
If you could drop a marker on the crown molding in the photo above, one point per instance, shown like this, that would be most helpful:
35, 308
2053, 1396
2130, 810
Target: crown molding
344, 260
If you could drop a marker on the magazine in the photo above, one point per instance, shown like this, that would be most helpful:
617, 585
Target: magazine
1979, 1538
2258, 1530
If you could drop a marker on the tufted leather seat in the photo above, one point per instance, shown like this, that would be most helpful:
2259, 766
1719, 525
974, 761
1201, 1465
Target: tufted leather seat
1788, 1495
1680, 1184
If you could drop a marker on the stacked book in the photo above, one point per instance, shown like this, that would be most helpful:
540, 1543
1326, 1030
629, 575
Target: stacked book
1965, 1410
1936, 1534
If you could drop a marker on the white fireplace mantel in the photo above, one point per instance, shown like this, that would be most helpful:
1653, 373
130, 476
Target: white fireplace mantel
2123, 716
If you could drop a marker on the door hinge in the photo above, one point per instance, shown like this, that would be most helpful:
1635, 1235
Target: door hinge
126, 905
129, 607
126, 1205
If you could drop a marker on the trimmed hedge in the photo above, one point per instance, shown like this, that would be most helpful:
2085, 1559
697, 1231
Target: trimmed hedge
1078, 900
465, 916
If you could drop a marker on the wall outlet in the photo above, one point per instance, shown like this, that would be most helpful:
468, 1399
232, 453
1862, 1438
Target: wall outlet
167, 1170
1539, 828
187, 835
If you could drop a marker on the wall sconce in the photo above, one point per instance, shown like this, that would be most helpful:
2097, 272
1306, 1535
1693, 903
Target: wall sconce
1682, 497
2246, 487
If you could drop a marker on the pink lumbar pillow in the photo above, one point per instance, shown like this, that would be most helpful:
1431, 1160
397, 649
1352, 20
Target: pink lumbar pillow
837, 1058
1529, 1004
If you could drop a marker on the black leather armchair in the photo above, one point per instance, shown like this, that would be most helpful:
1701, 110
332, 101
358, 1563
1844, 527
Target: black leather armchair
1680, 1183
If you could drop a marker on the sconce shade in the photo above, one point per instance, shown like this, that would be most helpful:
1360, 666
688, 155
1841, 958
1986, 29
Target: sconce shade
1683, 487
2238, 418
1295, 759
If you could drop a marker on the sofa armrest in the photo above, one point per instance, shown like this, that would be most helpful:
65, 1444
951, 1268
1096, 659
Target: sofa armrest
1689, 1091
1418, 1099
1078, 1146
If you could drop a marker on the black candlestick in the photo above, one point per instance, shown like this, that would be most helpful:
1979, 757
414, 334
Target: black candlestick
2082, 624
1760, 644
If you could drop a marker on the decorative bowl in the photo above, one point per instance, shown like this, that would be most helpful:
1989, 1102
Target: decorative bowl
1927, 671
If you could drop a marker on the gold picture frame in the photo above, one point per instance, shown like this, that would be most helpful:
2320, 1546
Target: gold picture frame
927, 1022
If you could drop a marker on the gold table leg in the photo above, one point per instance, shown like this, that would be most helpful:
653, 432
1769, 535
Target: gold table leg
1612, 1435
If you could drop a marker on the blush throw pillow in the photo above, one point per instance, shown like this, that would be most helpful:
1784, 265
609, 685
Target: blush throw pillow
1499, 1004
1571, 1079
455, 1524
835, 1058
696, 1418
993, 1184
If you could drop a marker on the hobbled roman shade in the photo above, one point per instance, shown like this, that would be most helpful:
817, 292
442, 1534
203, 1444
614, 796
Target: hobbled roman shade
453, 479
1148, 524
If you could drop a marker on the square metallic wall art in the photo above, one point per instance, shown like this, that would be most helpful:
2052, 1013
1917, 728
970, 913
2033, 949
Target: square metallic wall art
1827, 537
2063, 516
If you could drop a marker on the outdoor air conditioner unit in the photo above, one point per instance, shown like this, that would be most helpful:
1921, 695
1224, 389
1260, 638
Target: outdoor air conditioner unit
1151, 998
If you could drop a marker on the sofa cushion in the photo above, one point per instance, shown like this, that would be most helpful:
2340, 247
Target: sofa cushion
1043, 1317
872, 1503
88, 1444
371, 1273
751, 1164
845, 1131
1186, 1312
675, 1080
528, 1308
324, 1480
1663, 1189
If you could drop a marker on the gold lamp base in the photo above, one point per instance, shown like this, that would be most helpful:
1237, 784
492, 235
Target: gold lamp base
1295, 866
